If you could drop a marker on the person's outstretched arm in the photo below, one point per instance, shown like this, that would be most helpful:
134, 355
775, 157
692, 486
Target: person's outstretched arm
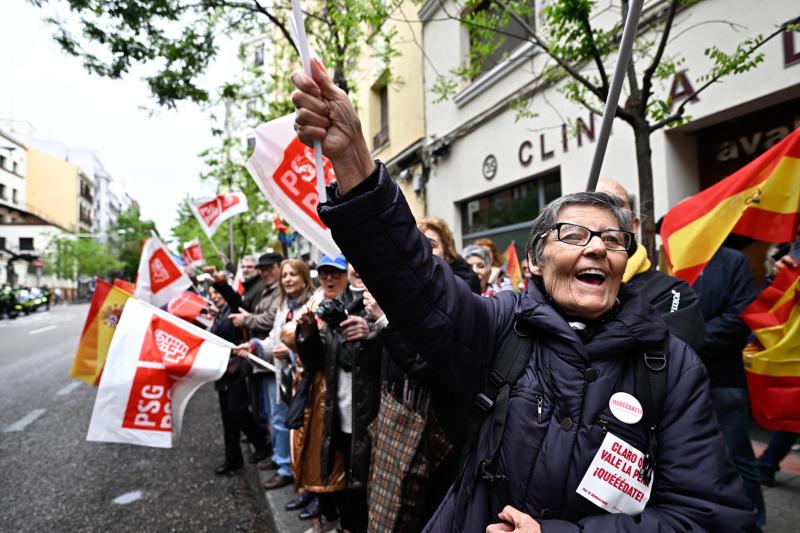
371, 222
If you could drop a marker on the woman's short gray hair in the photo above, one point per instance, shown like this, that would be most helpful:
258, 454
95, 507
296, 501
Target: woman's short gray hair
549, 216
477, 251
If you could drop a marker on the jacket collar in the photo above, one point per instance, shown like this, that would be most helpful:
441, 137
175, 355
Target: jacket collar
634, 326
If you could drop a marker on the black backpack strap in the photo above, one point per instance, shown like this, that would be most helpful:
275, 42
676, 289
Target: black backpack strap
507, 367
651, 389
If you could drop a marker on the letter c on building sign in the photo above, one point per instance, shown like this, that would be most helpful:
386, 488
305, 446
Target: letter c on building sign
524, 153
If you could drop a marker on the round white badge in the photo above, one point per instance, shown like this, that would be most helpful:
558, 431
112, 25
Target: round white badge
625, 407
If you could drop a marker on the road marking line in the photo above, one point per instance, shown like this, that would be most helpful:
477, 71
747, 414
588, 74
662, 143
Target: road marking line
69, 388
21, 424
128, 497
41, 330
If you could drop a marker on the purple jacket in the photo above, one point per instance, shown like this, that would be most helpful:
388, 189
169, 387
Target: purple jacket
544, 456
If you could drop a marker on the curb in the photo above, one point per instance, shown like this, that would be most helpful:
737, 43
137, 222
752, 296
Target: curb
275, 500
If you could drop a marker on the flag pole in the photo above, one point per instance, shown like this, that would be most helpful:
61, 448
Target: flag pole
305, 56
623, 58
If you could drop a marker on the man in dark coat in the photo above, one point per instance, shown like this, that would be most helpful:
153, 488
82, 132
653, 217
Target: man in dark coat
559, 410
726, 286
671, 297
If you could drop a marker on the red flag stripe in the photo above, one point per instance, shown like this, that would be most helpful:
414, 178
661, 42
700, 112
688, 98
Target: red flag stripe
101, 290
774, 401
748, 176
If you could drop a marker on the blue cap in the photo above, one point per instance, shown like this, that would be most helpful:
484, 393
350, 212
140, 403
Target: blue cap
338, 262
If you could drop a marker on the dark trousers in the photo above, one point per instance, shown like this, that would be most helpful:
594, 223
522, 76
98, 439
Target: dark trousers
350, 503
236, 418
779, 446
731, 407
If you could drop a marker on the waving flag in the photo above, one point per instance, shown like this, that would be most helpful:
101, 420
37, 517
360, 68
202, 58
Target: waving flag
285, 171
101, 321
191, 307
772, 365
760, 201
155, 363
511, 266
160, 278
193, 253
212, 212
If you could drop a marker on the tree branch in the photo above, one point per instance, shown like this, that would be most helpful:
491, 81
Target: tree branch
682, 107
281, 26
647, 77
594, 89
595, 53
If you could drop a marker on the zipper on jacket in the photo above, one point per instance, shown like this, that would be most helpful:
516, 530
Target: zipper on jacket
539, 401
603, 424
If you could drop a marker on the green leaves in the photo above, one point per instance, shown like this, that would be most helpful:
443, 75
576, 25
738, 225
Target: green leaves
742, 59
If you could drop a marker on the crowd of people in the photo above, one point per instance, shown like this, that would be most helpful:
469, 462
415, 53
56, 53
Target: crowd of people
412, 388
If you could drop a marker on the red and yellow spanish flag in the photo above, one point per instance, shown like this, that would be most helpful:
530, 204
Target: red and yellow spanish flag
772, 364
760, 201
101, 321
511, 266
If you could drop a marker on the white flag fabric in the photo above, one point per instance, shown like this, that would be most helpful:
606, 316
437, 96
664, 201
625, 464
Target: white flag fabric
284, 170
160, 279
155, 363
212, 212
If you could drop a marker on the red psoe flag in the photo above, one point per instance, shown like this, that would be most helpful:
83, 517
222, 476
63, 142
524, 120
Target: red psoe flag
193, 253
285, 171
760, 201
155, 364
212, 212
159, 279
192, 308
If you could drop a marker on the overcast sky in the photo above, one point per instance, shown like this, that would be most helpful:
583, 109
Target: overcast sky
155, 157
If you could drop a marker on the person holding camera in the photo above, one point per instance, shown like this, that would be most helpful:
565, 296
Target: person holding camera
344, 346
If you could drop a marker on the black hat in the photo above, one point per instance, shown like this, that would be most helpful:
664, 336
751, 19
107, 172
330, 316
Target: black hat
268, 259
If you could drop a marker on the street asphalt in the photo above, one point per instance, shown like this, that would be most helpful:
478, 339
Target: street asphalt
51, 479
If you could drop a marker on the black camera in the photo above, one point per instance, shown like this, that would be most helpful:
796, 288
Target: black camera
332, 312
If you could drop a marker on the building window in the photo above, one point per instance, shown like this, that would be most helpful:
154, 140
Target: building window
505, 215
14, 167
14, 197
2, 161
26, 244
258, 58
3, 192
251, 143
2, 243
381, 138
509, 32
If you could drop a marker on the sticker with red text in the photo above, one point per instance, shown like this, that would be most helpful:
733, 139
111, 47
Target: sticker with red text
625, 407
613, 482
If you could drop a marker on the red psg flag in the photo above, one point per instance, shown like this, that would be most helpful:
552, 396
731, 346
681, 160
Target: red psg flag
159, 279
155, 364
212, 212
193, 253
284, 170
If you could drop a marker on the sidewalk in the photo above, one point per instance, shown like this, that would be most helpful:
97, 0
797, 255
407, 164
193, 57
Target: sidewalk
783, 500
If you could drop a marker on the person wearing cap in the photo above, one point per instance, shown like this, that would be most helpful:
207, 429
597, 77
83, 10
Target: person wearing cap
348, 352
257, 321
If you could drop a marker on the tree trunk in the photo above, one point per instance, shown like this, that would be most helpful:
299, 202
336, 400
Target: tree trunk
644, 165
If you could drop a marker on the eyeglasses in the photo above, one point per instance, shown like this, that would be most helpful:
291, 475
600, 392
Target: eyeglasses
613, 239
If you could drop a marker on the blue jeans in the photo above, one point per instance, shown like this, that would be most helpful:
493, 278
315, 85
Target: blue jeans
281, 447
731, 407
779, 445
